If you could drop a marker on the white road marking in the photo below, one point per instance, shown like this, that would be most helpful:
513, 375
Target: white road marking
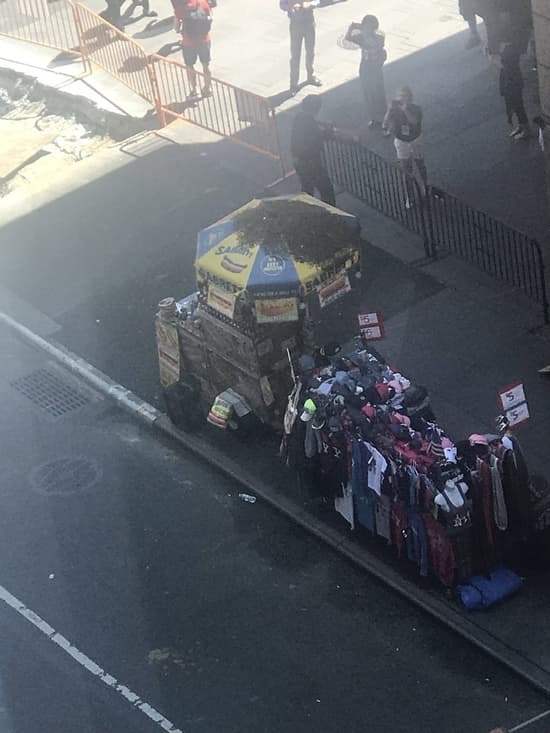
85, 661
521, 726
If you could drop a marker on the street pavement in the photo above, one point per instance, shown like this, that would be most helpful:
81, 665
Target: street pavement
93, 254
219, 614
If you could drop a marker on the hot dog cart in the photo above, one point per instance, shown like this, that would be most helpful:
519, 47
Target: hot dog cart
267, 274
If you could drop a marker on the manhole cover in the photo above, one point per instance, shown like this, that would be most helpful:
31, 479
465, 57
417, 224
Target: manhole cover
65, 476
46, 390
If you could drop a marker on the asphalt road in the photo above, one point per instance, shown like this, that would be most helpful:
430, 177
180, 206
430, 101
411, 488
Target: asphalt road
220, 614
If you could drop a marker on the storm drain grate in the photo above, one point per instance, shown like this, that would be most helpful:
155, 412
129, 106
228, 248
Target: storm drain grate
49, 392
65, 476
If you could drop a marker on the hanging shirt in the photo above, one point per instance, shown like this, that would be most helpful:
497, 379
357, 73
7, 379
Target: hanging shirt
417, 542
364, 498
376, 469
440, 549
344, 505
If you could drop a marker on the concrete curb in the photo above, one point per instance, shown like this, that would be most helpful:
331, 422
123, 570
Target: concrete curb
430, 602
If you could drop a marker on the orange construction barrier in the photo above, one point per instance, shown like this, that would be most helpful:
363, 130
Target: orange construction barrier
46, 23
113, 51
234, 113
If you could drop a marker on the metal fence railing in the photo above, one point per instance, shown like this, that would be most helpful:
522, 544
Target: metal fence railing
113, 51
228, 111
48, 23
369, 177
443, 221
490, 244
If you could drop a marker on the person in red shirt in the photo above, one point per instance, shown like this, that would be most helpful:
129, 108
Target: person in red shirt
193, 18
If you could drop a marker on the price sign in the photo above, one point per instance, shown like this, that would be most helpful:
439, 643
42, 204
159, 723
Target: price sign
371, 325
514, 404
512, 396
518, 415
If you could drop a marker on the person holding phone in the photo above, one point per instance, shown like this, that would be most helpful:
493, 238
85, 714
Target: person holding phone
302, 32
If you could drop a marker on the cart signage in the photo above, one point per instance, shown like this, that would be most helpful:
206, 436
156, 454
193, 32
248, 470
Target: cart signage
168, 353
371, 325
276, 310
221, 301
331, 291
514, 403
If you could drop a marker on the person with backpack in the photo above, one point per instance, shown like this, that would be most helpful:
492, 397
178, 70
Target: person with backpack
404, 121
302, 30
193, 19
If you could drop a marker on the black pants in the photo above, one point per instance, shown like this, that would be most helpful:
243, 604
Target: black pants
313, 175
112, 12
301, 33
514, 105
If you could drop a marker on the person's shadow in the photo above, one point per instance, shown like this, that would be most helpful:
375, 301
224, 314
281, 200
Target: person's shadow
155, 28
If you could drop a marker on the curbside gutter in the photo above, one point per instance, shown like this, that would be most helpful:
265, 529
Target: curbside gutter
429, 601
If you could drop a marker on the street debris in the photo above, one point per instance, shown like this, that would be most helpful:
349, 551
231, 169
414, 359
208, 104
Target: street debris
36, 145
247, 497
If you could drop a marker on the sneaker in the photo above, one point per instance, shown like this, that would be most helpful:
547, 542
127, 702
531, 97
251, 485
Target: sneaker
151, 14
314, 81
206, 91
193, 96
293, 91
522, 135
515, 131
473, 41
374, 123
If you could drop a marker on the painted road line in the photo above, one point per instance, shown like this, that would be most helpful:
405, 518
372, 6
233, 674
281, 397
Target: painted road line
89, 665
536, 719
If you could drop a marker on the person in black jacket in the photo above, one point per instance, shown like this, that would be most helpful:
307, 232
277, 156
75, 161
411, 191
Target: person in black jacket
511, 88
306, 145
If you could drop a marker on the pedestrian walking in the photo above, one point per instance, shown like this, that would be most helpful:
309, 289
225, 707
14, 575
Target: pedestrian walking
467, 9
193, 19
302, 31
511, 88
306, 145
404, 121
368, 36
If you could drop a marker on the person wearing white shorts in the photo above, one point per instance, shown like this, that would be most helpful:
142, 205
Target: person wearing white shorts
404, 120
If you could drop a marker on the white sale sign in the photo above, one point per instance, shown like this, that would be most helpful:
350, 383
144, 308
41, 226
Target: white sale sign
518, 415
512, 396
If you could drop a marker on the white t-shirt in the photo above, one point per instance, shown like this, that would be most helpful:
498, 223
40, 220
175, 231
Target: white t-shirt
377, 467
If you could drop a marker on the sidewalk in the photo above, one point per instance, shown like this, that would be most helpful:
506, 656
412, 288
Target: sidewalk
468, 151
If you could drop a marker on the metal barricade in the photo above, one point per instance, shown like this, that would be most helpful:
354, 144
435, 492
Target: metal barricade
234, 113
442, 220
496, 248
381, 185
50, 23
116, 53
